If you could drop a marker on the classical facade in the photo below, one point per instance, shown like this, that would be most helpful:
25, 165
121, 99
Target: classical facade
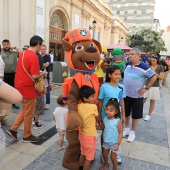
119, 31
52, 19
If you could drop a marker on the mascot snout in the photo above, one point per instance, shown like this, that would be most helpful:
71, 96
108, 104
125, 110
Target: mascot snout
91, 50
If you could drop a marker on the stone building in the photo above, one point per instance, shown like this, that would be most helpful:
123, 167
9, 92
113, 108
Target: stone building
52, 19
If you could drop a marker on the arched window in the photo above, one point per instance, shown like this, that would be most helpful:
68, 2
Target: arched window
56, 20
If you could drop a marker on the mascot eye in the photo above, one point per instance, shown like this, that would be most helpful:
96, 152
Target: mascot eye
79, 47
92, 45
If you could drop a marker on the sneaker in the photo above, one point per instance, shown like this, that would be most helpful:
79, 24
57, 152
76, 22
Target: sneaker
131, 137
147, 118
104, 167
126, 132
119, 160
37, 126
47, 106
31, 138
33, 121
101, 159
12, 134
61, 148
15, 106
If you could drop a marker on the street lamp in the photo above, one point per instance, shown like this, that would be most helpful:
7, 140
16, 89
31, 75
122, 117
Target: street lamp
94, 25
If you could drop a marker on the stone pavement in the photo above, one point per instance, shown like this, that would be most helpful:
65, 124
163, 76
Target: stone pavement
150, 151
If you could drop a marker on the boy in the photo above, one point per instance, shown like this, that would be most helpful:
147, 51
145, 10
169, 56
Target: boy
87, 131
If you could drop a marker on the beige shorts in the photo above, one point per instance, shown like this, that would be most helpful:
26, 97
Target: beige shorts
153, 93
61, 131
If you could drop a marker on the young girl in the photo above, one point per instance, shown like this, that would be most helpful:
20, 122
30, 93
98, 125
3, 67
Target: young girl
112, 134
111, 89
59, 116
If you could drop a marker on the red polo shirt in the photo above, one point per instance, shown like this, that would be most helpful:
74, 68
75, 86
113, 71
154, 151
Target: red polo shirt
23, 83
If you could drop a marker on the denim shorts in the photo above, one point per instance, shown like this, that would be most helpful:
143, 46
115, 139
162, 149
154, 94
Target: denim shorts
111, 146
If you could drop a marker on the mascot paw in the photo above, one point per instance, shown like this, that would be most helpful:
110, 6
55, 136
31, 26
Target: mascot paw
71, 165
74, 121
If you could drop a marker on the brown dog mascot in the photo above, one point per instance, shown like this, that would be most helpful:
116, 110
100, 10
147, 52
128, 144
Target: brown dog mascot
83, 54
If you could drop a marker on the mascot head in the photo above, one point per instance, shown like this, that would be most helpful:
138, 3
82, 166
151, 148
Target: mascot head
82, 52
117, 54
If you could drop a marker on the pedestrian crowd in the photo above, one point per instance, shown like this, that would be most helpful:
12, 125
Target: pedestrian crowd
122, 95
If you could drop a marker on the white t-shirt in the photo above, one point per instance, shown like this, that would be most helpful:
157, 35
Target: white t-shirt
52, 58
60, 114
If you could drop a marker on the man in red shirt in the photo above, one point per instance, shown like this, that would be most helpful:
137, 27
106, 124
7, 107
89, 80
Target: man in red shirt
25, 85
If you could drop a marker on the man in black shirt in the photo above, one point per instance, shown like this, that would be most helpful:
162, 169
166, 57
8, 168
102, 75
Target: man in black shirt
46, 63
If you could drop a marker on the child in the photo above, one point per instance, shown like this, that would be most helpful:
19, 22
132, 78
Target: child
112, 134
87, 131
59, 115
111, 89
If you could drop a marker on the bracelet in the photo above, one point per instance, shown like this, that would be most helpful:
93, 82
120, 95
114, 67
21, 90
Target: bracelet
146, 88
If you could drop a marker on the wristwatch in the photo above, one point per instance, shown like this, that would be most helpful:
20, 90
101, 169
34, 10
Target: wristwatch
146, 88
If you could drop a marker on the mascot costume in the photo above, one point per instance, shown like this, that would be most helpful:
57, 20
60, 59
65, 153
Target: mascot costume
83, 55
119, 60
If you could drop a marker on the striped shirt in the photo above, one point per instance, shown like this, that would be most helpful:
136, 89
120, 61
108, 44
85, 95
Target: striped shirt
134, 78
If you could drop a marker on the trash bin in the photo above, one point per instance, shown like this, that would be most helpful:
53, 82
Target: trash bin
60, 71
72, 72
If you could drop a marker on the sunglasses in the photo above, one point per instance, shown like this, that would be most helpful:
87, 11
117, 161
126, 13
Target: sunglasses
154, 56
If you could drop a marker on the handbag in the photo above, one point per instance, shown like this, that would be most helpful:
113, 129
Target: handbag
38, 83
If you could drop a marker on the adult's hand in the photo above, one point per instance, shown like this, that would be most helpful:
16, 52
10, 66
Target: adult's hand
142, 91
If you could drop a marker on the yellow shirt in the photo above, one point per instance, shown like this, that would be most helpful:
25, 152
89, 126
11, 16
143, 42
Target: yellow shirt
88, 112
99, 71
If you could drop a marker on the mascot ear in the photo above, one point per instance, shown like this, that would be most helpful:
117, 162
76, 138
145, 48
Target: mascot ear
66, 45
98, 44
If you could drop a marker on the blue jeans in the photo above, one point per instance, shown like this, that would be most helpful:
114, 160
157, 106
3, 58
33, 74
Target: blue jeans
48, 92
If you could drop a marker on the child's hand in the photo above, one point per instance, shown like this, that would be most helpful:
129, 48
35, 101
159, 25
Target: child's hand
116, 147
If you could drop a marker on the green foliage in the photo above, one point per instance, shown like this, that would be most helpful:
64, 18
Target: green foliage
148, 41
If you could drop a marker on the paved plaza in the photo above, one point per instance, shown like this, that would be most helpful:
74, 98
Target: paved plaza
150, 151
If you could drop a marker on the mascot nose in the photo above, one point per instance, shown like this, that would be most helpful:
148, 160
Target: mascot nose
91, 50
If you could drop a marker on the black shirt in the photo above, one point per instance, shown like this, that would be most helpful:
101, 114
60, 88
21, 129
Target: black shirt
47, 58
40, 60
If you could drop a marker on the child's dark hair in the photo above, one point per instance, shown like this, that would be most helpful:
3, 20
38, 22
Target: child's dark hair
85, 91
60, 100
114, 102
111, 69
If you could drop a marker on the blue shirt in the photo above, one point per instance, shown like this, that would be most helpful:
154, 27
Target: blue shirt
134, 78
107, 92
110, 133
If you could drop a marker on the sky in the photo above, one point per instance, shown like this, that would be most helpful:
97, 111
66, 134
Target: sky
162, 12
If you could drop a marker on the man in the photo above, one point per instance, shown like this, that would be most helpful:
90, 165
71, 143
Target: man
25, 47
10, 60
25, 85
46, 65
134, 78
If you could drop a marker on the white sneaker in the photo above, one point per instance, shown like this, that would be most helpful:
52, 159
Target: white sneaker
126, 132
119, 161
61, 148
47, 106
131, 137
147, 118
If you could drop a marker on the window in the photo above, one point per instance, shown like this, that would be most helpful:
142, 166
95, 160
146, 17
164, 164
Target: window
118, 12
135, 12
143, 4
135, 4
143, 11
134, 25
143, 18
56, 20
126, 12
118, 6
125, 18
126, 5
134, 18
98, 36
